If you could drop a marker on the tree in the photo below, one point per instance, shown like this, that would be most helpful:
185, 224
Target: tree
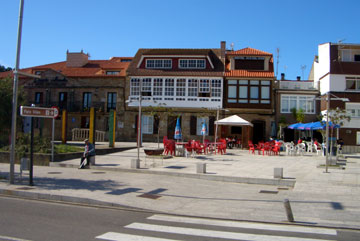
299, 115
6, 90
4, 69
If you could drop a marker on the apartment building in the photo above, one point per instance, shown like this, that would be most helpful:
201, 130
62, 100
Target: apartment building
336, 70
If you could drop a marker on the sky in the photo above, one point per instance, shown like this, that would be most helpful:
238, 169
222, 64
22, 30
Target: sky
118, 28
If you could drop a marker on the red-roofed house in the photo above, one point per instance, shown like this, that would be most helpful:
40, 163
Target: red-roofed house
76, 85
249, 79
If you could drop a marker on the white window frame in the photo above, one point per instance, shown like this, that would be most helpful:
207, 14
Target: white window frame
158, 87
158, 64
135, 86
204, 86
147, 124
357, 83
180, 87
192, 64
309, 109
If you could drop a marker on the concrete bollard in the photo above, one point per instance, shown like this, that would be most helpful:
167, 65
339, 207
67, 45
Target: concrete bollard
288, 210
135, 163
200, 167
92, 160
278, 172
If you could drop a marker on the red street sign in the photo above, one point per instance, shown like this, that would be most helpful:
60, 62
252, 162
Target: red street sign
39, 112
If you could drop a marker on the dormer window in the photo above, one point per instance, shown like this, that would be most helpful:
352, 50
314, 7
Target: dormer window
158, 64
250, 63
38, 72
192, 64
112, 72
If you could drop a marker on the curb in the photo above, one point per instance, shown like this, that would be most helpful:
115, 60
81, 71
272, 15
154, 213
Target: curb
246, 180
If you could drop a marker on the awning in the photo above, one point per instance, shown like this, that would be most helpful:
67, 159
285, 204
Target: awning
312, 126
233, 120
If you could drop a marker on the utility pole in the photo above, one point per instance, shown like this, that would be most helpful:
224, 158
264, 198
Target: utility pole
15, 95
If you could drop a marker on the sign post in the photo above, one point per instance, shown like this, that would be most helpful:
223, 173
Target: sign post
40, 112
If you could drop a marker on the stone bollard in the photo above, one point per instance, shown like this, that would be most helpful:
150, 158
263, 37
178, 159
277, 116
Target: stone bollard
288, 210
278, 172
92, 160
200, 167
135, 163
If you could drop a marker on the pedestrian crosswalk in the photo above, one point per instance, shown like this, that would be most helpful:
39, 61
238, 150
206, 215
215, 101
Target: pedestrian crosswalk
168, 227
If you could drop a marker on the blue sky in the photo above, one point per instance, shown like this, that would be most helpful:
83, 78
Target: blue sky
107, 28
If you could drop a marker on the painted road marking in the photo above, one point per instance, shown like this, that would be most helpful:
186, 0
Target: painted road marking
214, 234
234, 224
12, 238
128, 237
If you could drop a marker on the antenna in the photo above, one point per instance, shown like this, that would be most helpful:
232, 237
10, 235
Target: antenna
277, 60
303, 67
232, 46
340, 41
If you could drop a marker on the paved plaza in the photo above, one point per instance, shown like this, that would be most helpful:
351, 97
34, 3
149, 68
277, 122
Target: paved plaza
172, 185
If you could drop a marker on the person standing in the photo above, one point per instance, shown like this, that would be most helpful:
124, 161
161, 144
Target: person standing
88, 152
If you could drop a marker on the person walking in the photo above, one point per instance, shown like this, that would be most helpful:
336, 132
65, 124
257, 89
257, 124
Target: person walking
88, 152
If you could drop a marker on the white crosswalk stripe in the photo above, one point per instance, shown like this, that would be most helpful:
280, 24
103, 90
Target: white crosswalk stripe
213, 230
129, 237
213, 234
234, 224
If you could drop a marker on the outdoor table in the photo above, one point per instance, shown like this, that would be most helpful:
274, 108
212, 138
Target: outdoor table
181, 150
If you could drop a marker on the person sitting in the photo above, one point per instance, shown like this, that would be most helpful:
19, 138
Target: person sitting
88, 152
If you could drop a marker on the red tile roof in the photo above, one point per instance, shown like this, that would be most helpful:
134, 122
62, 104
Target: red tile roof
94, 68
249, 73
249, 52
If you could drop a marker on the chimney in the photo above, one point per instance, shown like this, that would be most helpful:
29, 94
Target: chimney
298, 78
222, 50
76, 59
282, 76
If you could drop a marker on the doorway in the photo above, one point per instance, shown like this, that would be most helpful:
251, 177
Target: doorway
258, 131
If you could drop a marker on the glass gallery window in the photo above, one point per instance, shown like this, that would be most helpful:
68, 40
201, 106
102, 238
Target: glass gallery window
306, 103
249, 91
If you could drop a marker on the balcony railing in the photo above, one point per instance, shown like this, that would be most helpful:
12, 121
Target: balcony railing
80, 134
297, 85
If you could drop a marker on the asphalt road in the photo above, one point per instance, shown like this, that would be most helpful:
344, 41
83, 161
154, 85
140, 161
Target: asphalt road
37, 220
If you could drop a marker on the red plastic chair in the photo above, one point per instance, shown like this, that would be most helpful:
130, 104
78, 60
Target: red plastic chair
169, 147
251, 148
222, 147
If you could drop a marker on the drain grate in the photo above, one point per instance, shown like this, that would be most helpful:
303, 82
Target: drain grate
148, 195
269, 192
54, 172
175, 167
25, 188
98, 172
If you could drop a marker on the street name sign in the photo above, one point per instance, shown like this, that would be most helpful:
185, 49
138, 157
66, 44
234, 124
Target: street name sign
52, 112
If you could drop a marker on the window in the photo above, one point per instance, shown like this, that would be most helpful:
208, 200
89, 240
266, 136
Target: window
135, 87
62, 100
158, 64
358, 138
216, 88
147, 124
112, 72
169, 87
306, 103
353, 109
192, 63
111, 101
357, 57
180, 87
193, 87
199, 124
249, 91
39, 98
146, 87
158, 87
352, 83
86, 100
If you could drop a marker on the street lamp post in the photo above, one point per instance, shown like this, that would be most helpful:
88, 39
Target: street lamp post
14, 100
327, 132
139, 121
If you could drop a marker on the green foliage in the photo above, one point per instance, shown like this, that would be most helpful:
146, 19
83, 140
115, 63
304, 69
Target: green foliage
282, 121
299, 115
6, 89
41, 145
4, 69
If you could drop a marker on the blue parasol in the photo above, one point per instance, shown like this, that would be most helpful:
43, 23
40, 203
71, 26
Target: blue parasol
177, 134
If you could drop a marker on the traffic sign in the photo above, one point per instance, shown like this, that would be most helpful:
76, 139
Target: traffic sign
39, 112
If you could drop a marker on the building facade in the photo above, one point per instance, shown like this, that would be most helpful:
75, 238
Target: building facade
336, 70
174, 83
249, 82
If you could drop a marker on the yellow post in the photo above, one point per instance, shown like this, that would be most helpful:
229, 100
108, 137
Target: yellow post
92, 126
63, 127
114, 128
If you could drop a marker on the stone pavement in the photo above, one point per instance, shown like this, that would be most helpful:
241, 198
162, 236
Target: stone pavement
173, 186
